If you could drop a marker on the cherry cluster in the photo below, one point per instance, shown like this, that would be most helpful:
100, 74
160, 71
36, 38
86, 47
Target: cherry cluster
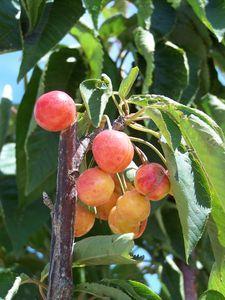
125, 205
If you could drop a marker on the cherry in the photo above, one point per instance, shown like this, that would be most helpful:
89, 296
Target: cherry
120, 224
112, 150
134, 206
84, 220
103, 210
95, 187
55, 111
152, 180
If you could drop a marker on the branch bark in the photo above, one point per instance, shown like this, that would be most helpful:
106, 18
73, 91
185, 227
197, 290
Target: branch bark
60, 273
189, 275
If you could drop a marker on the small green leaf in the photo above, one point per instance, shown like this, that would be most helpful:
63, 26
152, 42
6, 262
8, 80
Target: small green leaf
5, 106
104, 250
102, 291
211, 295
128, 82
144, 291
95, 94
134, 289
145, 43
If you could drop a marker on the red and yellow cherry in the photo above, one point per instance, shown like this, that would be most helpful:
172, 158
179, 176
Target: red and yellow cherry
152, 180
95, 187
84, 220
103, 210
134, 206
120, 224
112, 150
55, 111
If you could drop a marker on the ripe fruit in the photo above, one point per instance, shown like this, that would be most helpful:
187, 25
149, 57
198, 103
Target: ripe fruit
55, 111
84, 220
152, 180
112, 150
95, 187
103, 210
134, 206
121, 224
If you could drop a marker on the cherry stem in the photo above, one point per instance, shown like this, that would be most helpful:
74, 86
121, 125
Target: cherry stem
139, 127
124, 181
141, 154
132, 117
121, 183
108, 121
138, 140
117, 105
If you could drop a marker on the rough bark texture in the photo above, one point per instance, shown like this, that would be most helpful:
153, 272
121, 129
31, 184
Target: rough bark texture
189, 275
60, 274
71, 154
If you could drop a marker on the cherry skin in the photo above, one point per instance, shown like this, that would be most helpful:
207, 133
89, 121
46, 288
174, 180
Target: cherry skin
152, 180
134, 206
121, 224
112, 150
55, 111
84, 220
103, 210
95, 187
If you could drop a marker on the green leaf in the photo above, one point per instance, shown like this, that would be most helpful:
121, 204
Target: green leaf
211, 295
171, 70
5, 106
64, 71
128, 82
8, 159
21, 222
9, 27
92, 48
172, 277
95, 94
215, 108
145, 9
102, 291
145, 43
174, 3
144, 291
40, 167
104, 250
93, 8
217, 279
113, 27
191, 195
167, 16
55, 22
211, 13
33, 9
